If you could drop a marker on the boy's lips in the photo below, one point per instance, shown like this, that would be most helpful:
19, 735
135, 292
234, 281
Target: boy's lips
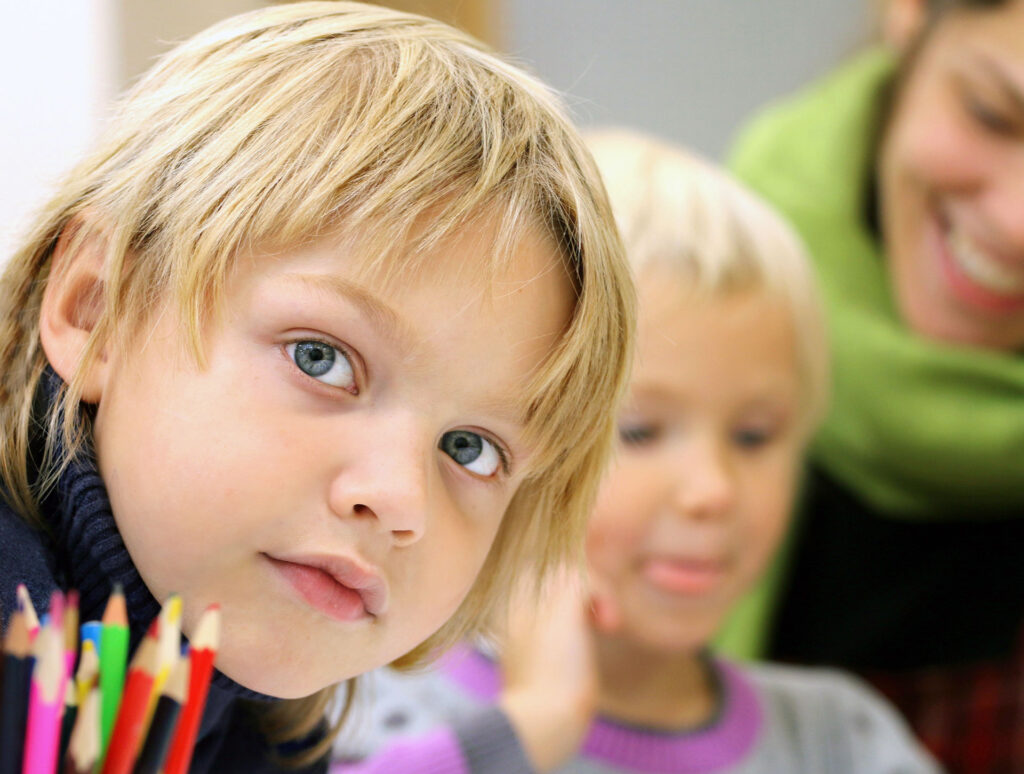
338, 586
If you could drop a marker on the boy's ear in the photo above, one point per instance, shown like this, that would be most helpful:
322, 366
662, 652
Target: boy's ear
72, 303
902, 20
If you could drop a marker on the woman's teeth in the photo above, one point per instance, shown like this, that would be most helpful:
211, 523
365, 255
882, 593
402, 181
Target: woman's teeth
982, 268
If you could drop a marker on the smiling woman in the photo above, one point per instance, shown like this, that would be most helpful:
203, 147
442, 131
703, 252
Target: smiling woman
904, 173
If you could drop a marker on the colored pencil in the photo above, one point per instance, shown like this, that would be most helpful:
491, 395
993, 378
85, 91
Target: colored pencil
169, 646
88, 671
67, 721
128, 729
90, 632
203, 651
71, 630
165, 718
14, 700
25, 605
84, 748
113, 662
42, 733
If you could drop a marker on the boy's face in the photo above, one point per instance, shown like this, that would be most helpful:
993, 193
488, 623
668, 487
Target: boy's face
709, 450
336, 474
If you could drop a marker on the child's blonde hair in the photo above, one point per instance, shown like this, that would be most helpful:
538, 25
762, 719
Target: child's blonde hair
677, 210
291, 122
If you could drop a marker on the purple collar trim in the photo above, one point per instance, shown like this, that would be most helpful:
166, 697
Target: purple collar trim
703, 751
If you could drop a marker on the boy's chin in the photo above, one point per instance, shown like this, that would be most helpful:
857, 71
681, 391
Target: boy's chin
293, 679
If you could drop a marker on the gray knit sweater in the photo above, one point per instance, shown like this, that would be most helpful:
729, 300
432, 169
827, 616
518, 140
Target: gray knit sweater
771, 720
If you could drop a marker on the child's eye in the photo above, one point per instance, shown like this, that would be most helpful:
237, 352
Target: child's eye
323, 362
751, 437
638, 435
471, 450
989, 118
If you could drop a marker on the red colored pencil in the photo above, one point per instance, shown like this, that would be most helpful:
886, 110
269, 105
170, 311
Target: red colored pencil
165, 719
202, 652
127, 733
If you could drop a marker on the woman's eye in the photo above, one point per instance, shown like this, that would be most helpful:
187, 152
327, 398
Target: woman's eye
471, 450
323, 362
638, 435
991, 119
751, 437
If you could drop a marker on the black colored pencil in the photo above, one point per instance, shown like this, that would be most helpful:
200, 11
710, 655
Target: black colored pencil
165, 720
67, 722
14, 699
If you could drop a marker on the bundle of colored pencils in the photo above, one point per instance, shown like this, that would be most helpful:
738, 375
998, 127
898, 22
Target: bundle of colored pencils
65, 710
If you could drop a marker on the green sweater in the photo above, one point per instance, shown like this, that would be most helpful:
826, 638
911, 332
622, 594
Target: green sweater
919, 432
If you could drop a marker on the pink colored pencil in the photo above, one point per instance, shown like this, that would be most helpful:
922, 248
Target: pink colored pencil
42, 736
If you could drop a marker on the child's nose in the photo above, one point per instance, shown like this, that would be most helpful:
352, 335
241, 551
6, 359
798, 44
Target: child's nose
387, 481
705, 485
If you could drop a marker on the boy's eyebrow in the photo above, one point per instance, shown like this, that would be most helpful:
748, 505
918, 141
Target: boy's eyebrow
398, 330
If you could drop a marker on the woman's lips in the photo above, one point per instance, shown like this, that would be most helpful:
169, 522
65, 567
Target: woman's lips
336, 586
963, 264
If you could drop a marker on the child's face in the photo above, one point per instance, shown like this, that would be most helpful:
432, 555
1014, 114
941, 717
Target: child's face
703, 482
340, 430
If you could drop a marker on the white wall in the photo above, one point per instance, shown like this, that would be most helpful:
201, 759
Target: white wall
58, 66
688, 70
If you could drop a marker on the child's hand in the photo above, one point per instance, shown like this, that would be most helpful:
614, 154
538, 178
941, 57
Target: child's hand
549, 670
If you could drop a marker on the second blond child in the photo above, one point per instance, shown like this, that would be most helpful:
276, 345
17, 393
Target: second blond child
730, 382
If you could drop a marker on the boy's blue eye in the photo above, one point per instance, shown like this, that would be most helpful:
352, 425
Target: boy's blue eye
638, 435
323, 362
471, 450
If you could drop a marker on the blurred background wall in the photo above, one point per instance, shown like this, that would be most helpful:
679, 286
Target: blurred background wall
688, 70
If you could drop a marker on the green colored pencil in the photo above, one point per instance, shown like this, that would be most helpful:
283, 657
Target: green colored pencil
113, 662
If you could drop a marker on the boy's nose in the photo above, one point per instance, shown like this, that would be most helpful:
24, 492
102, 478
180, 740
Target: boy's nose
705, 486
387, 478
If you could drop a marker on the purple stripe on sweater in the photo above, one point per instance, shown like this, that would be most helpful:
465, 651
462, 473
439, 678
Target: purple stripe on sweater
472, 670
436, 752
704, 751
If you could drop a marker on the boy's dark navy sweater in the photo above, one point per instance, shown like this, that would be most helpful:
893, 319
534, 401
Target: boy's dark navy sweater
82, 549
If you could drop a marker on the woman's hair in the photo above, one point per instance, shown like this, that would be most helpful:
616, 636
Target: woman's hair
937, 7
677, 211
277, 126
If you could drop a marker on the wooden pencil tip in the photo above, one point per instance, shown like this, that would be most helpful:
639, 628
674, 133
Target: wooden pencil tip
177, 683
116, 611
208, 630
26, 606
18, 643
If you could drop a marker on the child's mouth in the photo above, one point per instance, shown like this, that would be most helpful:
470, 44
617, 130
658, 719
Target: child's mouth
334, 586
683, 576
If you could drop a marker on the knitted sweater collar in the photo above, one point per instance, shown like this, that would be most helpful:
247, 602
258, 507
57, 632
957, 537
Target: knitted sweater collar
723, 743
91, 555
